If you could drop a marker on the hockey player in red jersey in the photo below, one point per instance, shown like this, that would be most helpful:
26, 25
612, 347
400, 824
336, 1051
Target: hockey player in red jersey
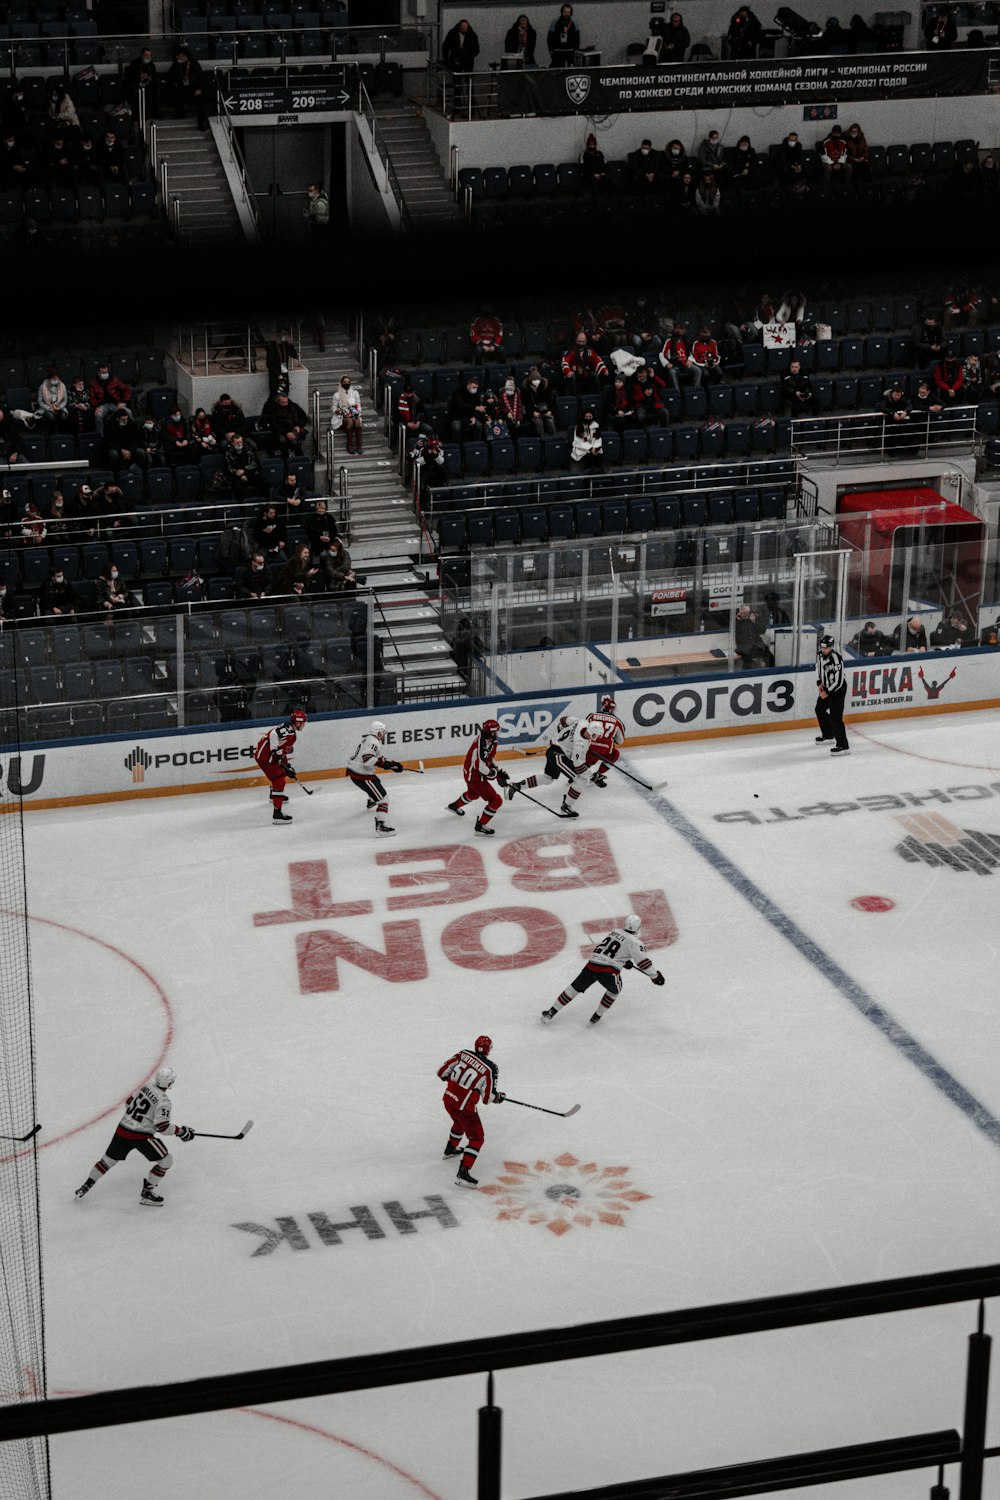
471, 1079
482, 777
621, 949
141, 1128
606, 734
273, 755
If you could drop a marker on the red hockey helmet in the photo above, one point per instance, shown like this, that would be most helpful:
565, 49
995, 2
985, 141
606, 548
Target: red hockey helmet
484, 1044
491, 726
298, 717
608, 703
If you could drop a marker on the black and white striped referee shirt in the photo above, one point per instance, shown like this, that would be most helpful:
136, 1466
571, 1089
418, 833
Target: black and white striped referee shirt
830, 670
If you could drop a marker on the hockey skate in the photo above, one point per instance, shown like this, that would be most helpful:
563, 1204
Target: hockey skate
483, 831
451, 1150
149, 1197
454, 807
549, 1015
595, 1018
82, 1192
278, 814
466, 1178
383, 830
567, 811
599, 780
372, 802
511, 790
823, 739
841, 750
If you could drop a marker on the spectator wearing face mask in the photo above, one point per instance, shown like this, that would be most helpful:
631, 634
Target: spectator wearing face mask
58, 595
583, 369
467, 413
536, 394
112, 595
643, 168
511, 407
107, 393
346, 412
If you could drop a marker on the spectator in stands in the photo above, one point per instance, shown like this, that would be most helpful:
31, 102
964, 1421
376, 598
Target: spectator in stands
318, 213
521, 39
953, 631
583, 370
33, 529
961, 307
300, 565
966, 185
58, 162
460, 48
563, 39
409, 406
792, 166
280, 354
337, 573
870, 641
112, 163
991, 373
112, 595
288, 422
17, 167
929, 342
587, 447
744, 34
798, 397
57, 516
915, 638
923, 406
202, 430
108, 507
61, 111
14, 119
184, 87
290, 494
643, 167
594, 168
178, 445
320, 527
675, 359
79, 412
486, 337
744, 173
85, 511
771, 612
467, 412
52, 400
640, 321
254, 579
59, 597
711, 156
121, 440
707, 198
227, 416
141, 77
973, 388
682, 195
241, 466
676, 39
705, 355
940, 31
107, 394
647, 396
859, 35
751, 648
536, 393
8, 439
858, 154
989, 174
345, 412
87, 171
149, 454
511, 408
673, 163
949, 380
7, 602
835, 158
899, 431
269, 532
991, 635
619, 408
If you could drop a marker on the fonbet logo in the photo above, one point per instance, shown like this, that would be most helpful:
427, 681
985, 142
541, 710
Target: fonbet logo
577, 87
529, 722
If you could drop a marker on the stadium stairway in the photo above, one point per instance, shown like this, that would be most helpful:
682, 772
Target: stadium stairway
195, 176
417, 165
384, 537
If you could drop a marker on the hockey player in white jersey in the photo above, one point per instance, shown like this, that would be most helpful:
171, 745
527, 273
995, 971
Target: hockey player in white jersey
621, 949
141, 1128
363, 768
564, 756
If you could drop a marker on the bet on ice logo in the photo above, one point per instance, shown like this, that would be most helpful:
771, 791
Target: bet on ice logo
564, 1194
455, 875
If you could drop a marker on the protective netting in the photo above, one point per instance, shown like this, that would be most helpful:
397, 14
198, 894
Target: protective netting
24, 1466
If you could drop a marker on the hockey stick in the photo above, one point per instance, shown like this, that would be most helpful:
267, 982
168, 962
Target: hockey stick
418, 769
562, 1113
535, 800
309, 791
20, 1139
212, 1136
638, 779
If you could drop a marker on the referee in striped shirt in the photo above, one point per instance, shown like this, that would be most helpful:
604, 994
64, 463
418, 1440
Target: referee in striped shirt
831, 685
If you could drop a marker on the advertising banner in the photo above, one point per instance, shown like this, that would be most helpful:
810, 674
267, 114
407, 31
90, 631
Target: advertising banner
725, 85
220, 757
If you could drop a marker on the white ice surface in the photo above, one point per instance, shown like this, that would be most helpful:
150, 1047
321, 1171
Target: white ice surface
780, 1140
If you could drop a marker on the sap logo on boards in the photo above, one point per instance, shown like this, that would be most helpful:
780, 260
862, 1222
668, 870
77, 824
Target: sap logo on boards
529, 722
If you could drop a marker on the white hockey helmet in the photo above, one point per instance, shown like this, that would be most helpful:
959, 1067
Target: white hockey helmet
632, 923
164, 1078
378, 727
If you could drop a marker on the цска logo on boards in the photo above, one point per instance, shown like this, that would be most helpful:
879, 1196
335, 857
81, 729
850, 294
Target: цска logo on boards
577, 87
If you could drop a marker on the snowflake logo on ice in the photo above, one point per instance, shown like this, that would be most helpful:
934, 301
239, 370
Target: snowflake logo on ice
564, 1193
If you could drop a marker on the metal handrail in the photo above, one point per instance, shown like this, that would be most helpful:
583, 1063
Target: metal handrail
378, 140
866, 435
238, 161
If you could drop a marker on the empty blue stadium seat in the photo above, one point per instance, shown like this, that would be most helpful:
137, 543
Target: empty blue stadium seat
588, 520
827, 354
614, 517
720, 400
561, 522
529, 455
746, 506
534, 524
479, 528
695, 403
695, 509
475, 458
641, 514
501, 452
452, 533
737, 437
753, 359
507, 527
852, 353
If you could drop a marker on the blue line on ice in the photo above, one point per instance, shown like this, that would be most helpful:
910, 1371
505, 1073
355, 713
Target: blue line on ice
955, 1092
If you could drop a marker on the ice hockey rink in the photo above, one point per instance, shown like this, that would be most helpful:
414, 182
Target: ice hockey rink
813, 1100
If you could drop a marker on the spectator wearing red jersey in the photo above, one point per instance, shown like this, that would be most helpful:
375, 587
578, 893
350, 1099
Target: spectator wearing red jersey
106, 392
857, 153
675, 359
705, 355
647, 396
486, 337
582, 367
961, 308
949, 379
835, 159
